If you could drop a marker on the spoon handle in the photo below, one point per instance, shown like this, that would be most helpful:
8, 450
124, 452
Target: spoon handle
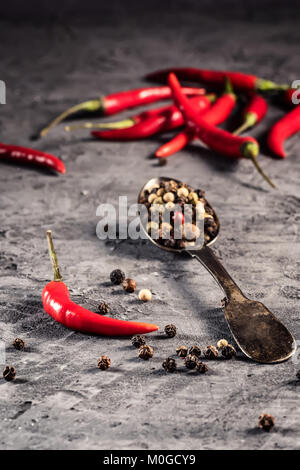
209, 260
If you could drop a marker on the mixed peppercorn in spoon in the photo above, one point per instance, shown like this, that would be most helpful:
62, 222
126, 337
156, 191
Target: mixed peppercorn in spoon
178, 214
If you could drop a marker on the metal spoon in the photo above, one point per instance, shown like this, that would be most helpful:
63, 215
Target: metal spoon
259, 334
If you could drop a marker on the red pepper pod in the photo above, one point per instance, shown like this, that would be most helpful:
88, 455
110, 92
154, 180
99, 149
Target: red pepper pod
283, 129
117, 102
254, 112
215, 115
240, 81
57, 303
167, 119
26, 155
216, 139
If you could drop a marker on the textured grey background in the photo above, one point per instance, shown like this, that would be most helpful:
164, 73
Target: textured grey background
60, 400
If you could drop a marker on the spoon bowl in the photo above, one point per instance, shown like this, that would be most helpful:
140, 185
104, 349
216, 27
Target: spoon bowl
141, 195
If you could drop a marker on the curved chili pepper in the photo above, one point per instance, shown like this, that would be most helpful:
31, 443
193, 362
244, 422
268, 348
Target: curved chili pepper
216, 139
16, 154
167, 120
282, 129
240, 81
57, 303
217, 114
254, 112
117, 102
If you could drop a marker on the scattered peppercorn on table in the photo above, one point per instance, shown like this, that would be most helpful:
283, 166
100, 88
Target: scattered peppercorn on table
182, 386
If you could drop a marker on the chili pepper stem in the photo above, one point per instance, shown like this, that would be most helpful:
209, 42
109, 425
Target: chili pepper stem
250, 151
124, 124
92, 105
56, 271
266, 85
250, 120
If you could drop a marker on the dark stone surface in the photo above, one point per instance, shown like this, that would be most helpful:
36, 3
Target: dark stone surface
60, 399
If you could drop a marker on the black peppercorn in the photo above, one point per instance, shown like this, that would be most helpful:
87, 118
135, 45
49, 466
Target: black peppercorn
170, 330
129, 285
117, 276
195, 350
266, 422
162, 161
103, 308
19, 344
182, 351
202, 368
104, 362
145, 352
169, 364
211, 352
138, 341
9, 373
191, 361
229, 351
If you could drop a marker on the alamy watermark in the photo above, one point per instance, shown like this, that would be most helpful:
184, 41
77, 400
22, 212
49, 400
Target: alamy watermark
135, 222
296, 95
2, 92
2, 353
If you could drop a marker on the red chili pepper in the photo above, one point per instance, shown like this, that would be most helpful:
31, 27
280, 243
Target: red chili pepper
217, 114
216, 139
17, 154
57, 303
117, 102
167, 120
282, 129
240, 81
254, 112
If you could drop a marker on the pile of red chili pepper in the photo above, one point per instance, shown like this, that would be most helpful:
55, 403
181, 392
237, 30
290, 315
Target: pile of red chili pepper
197, 113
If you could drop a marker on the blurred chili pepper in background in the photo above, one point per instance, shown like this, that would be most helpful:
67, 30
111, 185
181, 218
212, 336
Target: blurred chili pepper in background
117, 102
240, 81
